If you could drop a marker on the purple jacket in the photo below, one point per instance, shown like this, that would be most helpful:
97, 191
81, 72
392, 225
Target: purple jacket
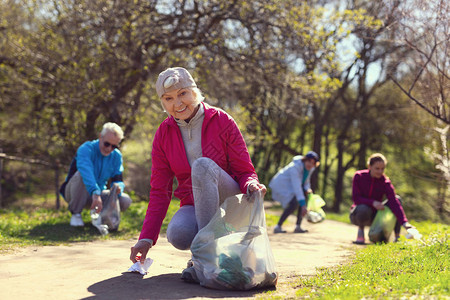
367, 189
222, 142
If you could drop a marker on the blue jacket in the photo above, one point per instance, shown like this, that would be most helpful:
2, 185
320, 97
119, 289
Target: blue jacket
95, 168
287, 183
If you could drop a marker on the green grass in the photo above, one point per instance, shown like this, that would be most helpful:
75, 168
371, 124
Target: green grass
403, 270
28, 225
20, 227
344, 218
271, 219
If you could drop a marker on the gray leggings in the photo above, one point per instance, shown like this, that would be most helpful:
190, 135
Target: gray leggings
211, 185
78, 197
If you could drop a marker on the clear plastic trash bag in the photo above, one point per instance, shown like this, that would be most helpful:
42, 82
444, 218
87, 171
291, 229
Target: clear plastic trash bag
315, 212
382, 226
109, 218
233, 251
97, 222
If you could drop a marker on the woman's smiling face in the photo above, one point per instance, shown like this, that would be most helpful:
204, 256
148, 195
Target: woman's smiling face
181, 104
377, 169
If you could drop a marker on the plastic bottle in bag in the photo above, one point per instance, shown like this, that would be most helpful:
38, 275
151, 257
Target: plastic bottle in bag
109, 218
97, 222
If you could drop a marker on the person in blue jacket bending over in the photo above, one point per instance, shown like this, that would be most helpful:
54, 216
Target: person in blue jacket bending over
95, 163
291, 185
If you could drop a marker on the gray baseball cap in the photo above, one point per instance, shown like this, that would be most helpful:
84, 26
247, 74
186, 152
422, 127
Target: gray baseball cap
174, 79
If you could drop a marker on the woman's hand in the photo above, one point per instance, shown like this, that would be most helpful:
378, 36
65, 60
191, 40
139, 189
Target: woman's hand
253, 187
378, 205
140, 247
118, 188
406, 225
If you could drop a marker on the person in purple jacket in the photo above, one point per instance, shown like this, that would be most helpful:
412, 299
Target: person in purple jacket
369, 189
202, 147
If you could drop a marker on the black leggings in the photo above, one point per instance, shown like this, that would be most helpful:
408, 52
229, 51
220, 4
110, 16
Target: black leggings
292, 206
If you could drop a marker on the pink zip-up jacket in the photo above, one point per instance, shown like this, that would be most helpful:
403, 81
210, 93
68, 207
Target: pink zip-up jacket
367, 189
222, 142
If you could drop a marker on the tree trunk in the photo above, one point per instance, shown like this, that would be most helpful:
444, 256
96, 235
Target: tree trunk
317, 144
324, 163
362, 163
340, 177
91, 131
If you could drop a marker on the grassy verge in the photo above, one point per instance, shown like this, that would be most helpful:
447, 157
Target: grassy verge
344, 218
20, 227
409, 269
36, 223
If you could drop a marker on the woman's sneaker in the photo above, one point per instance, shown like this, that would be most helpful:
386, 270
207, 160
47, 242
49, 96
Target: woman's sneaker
189, 275
360, 241
300, 230
278, 229
76, 220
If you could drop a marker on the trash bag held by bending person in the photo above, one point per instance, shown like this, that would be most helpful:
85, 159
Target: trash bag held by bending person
382, 226
110, 213
109, 218
233, 251
315, 212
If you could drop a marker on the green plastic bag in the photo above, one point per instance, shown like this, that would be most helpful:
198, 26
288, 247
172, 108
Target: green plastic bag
382, 226
315, 212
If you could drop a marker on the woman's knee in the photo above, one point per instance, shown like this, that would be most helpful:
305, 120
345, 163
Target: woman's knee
182, 228
362, 215
124, 201
180, 237
203, 167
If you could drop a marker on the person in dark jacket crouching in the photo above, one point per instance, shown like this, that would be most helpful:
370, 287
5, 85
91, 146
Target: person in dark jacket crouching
369, 188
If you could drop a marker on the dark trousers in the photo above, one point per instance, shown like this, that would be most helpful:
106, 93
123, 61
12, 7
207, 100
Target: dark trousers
292, 206
363, 215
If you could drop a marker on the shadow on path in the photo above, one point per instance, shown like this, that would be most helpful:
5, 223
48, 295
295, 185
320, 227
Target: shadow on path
98, 269
166, 286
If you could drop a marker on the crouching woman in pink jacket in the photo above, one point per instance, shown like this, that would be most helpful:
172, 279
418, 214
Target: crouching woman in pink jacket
369, 189
203, 148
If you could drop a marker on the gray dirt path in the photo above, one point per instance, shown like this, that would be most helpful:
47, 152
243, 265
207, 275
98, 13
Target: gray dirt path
98, 270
